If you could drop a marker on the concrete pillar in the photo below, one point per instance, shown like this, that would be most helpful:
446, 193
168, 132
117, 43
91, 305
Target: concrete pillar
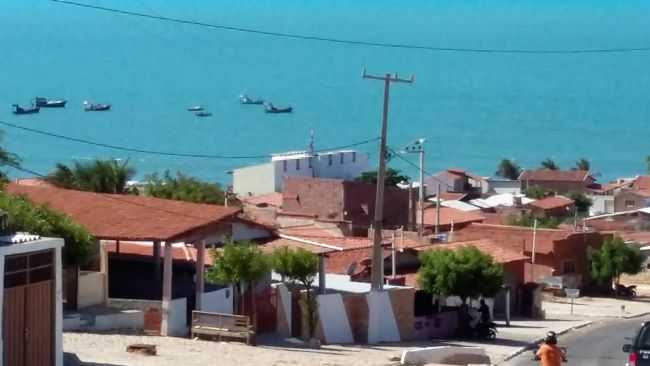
58, 307
167, 289
507, 306
321, 274
156, 266
200, 270
103, 268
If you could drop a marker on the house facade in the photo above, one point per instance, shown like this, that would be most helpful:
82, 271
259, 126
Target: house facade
559, 181
631, 199
269, 177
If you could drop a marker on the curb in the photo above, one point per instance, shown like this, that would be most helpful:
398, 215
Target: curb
637, 315
536, 341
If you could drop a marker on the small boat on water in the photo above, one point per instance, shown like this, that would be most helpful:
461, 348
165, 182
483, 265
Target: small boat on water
49, 103
270, 108
96, 107
202, 114
196, 108
20, 110
245, 99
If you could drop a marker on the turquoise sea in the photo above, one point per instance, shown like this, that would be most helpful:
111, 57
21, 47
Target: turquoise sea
473, 108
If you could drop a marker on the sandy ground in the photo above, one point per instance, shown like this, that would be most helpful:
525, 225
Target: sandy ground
588, 307
110, 349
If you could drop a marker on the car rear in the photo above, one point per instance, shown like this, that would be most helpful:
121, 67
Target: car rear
639, 354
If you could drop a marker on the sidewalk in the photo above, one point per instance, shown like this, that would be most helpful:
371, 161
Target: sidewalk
596, 307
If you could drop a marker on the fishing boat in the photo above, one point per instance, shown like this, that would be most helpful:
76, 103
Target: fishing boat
96, 107
270, 108
49, 103
196, 108
245, 99
20, 110
202, 114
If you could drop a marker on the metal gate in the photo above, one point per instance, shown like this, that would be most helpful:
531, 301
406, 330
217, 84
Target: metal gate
28, 310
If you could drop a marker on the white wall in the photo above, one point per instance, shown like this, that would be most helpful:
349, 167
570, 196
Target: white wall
500, 186
219, 301
333, 319
178, 318
382, 326
601, 205
90, 289
254, 180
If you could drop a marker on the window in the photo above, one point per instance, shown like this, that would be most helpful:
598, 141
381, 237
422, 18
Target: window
297, 164
329, 159
341, 155
354, 156
284, 166
569, 267
630, 204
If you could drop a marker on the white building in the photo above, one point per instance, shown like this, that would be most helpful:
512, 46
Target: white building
266, 178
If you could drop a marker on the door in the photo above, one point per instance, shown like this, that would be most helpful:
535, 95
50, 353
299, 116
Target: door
28, 312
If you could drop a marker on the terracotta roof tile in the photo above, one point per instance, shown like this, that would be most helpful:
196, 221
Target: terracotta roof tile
270, 199
555, 175
499, 254
552, 202
127, 217
642, 182
514, 237
449, 215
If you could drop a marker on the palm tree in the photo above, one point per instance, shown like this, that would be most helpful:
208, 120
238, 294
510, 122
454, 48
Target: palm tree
548, 163
508, 169
101, 176
583, 164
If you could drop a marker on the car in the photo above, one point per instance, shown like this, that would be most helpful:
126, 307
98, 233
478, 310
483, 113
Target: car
639, 350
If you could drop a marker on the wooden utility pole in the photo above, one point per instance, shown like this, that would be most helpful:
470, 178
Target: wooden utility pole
377, 275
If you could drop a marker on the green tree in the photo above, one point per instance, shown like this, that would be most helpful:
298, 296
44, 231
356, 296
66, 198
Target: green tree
183, 188
466, 273
237, 264
508, 169
101, 176
393, 177
613, 259
647, 164
582, 202
23, 215
548, 163
537, 192
7, 159
528, 220
300, 266
583, 164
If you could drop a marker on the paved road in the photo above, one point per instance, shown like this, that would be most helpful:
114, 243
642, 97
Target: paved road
597, 345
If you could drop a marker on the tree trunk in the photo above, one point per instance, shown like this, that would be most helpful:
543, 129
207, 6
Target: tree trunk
236, 300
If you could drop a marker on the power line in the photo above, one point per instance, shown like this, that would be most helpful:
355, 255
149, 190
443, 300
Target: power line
168, 153
352, 41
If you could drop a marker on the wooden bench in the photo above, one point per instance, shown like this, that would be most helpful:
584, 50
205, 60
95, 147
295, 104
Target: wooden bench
221, 325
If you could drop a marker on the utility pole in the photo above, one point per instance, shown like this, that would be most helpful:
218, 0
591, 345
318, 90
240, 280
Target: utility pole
532, 257
418, 147
377, 275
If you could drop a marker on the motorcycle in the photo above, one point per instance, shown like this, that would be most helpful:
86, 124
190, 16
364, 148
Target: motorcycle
486, 330
625, 291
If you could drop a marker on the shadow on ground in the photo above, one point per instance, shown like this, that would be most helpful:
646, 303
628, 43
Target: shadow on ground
70, 359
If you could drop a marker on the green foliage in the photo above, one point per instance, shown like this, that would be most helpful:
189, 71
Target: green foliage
40, 220
465, 272
238, 262
528, 220
581, 201
508, 169
300, 266
583, 164
183, 188
537, 192
7, 159
548, 163
101, 176
393, 177
613, 259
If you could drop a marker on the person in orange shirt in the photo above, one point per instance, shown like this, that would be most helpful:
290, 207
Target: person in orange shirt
548, 353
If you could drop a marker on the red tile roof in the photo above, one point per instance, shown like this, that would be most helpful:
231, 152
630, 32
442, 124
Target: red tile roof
555, 175
642, 182
270, 199
318, 244
514, 237
33, 182
552, 202
449, 215
499, 254
184, 253
452, 196
128, 217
